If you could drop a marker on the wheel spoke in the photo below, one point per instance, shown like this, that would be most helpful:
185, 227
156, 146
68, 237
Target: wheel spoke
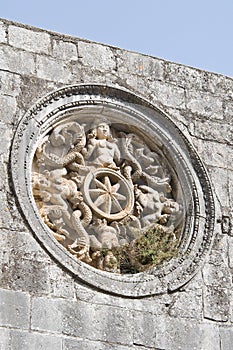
99, 184
119, 196
107, 184
97, 191
107, 206
116, 204
116, 187
100, 200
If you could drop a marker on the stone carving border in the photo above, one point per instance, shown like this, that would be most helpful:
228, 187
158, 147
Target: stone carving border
198, 228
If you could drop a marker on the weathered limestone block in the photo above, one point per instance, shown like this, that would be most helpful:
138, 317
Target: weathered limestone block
228, 110
25, 275
52, 69
5, 338
5, 137
14, 309
220, 187
218, 284
187, 77
62, 285
145, 336
3, 38
230, 252
186, 334
8, 105
9, 83
139, 65
76, 344
230, 186
214, 154
205, 106
220, 86
84, 320
64, 50
6, 220
226, 338
14, 60
217, 275
29, 40
168, 95
187, 305
96, 56
216, 131
216, 303
22, 340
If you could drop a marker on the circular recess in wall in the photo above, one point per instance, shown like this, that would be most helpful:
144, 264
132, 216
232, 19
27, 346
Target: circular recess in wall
113, 190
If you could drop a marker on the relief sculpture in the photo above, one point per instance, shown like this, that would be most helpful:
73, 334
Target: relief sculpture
107, 196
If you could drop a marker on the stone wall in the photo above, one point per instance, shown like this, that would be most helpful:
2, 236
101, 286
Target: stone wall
42, 305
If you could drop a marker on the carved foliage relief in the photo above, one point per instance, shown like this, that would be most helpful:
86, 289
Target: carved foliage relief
107, 196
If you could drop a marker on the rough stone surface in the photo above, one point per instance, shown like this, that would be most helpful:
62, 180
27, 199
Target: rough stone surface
5, 339
97, 56
64, 50
3, 38
42, 306
29, 40
13, 60
14, 309
51, 69
22, 340
226, 338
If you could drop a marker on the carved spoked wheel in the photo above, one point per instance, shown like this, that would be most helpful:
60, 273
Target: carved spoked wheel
108, 193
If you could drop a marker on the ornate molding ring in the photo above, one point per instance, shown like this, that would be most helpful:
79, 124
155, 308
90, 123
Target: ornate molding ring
157, 162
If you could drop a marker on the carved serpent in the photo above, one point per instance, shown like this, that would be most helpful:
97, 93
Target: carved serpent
59, 137
125, 142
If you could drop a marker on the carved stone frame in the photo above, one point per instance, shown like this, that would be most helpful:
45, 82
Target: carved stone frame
119, 104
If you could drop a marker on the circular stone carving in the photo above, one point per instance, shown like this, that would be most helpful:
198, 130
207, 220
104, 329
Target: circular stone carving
108, 194
113, 190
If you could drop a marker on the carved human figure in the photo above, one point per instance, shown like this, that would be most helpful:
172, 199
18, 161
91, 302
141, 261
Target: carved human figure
102, 150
